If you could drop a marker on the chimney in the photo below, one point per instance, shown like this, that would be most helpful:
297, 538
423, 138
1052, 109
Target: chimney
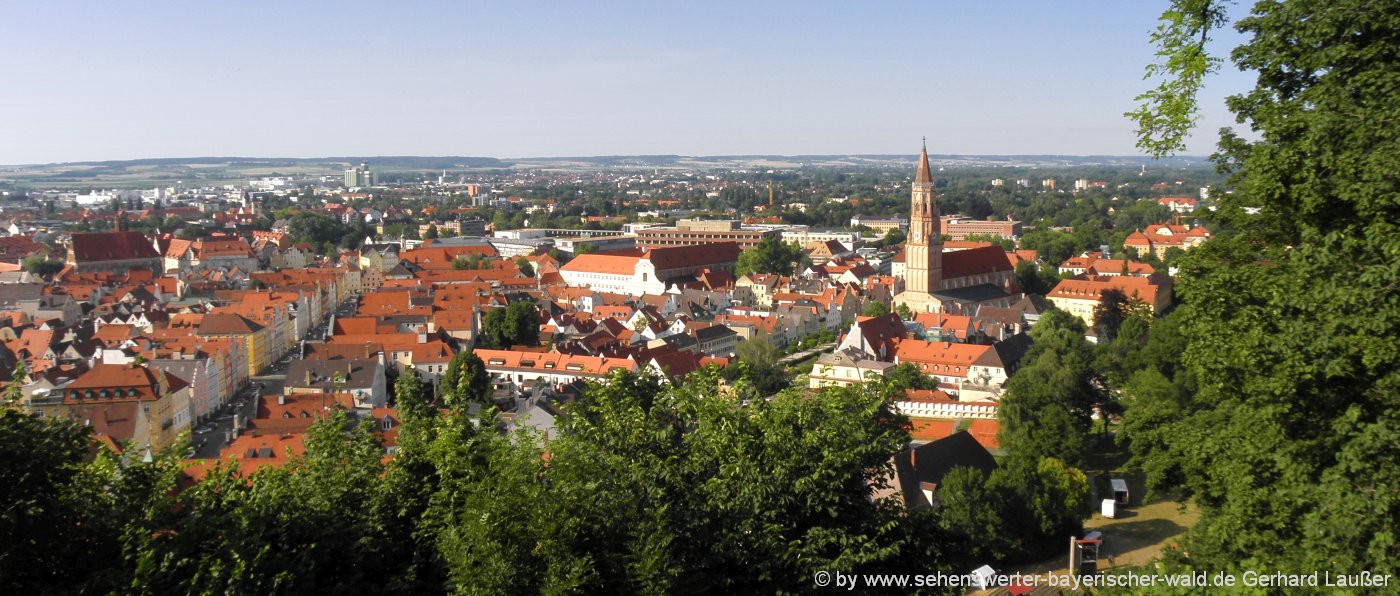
281, 399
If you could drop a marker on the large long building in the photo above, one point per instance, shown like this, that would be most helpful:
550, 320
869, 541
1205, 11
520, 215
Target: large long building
959, 228
696, 232
113, 252
647, 272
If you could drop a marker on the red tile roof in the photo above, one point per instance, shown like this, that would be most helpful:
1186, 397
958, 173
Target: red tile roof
975, 261
677, 257
603, 263
112, 246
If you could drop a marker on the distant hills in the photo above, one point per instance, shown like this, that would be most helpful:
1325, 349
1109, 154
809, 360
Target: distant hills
229, 170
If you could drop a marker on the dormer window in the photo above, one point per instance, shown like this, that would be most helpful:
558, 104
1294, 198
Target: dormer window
388, 423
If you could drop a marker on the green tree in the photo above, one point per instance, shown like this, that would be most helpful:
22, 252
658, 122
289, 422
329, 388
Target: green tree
1048, 404
1288, 445
448, 383
904, 311
494, 333
969, 507
1168, 112
431, 233
1034, 279
876, 308
40, 265
190, 231
522, 323
772, 255
408, 396
526, 268
758, 363
905, 376
1109, 314
474, 384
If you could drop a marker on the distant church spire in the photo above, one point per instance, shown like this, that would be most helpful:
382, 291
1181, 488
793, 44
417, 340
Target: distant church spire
923, 176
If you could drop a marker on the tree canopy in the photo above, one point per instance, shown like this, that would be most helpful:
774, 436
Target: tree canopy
648, 487
1288, 442
772, 255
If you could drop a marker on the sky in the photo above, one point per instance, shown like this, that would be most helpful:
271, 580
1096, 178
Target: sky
142, 79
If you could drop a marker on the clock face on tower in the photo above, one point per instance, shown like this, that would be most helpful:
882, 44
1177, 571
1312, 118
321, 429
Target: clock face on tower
917, 236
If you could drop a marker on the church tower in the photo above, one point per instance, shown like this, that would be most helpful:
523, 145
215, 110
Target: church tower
923, 248
923, 251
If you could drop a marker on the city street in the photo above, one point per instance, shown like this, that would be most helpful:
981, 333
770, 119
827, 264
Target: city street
212, 436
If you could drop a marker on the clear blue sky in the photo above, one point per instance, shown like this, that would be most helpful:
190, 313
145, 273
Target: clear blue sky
121, 80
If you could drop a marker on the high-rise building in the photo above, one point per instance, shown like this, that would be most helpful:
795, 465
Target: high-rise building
359, 177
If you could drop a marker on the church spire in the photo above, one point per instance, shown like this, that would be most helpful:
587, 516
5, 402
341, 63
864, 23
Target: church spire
923, 176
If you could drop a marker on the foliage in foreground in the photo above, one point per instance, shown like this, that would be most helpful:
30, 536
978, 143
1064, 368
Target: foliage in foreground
646, 489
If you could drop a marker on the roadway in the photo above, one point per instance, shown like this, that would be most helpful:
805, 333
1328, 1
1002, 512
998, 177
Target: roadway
212, 436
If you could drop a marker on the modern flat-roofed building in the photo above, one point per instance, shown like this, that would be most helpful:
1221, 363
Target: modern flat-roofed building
880, 224
958, 228
572, 245
695, 232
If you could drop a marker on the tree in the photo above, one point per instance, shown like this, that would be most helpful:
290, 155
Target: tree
471, 262
906, 376
517, 324
474, 385
526, 268
772, 255
494, 333
522, 322
1168, 113
876, 308
970, 508
1034, 279
1047, 406
1109, 314
1288, 442
904, 311
431, 233
758, 362
447, 384
190, 231
39, 264
409, 398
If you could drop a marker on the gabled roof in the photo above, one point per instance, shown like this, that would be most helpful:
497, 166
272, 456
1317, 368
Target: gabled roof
677, 257
975, 261
112, 246
602, 263
227, 324
931, 462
